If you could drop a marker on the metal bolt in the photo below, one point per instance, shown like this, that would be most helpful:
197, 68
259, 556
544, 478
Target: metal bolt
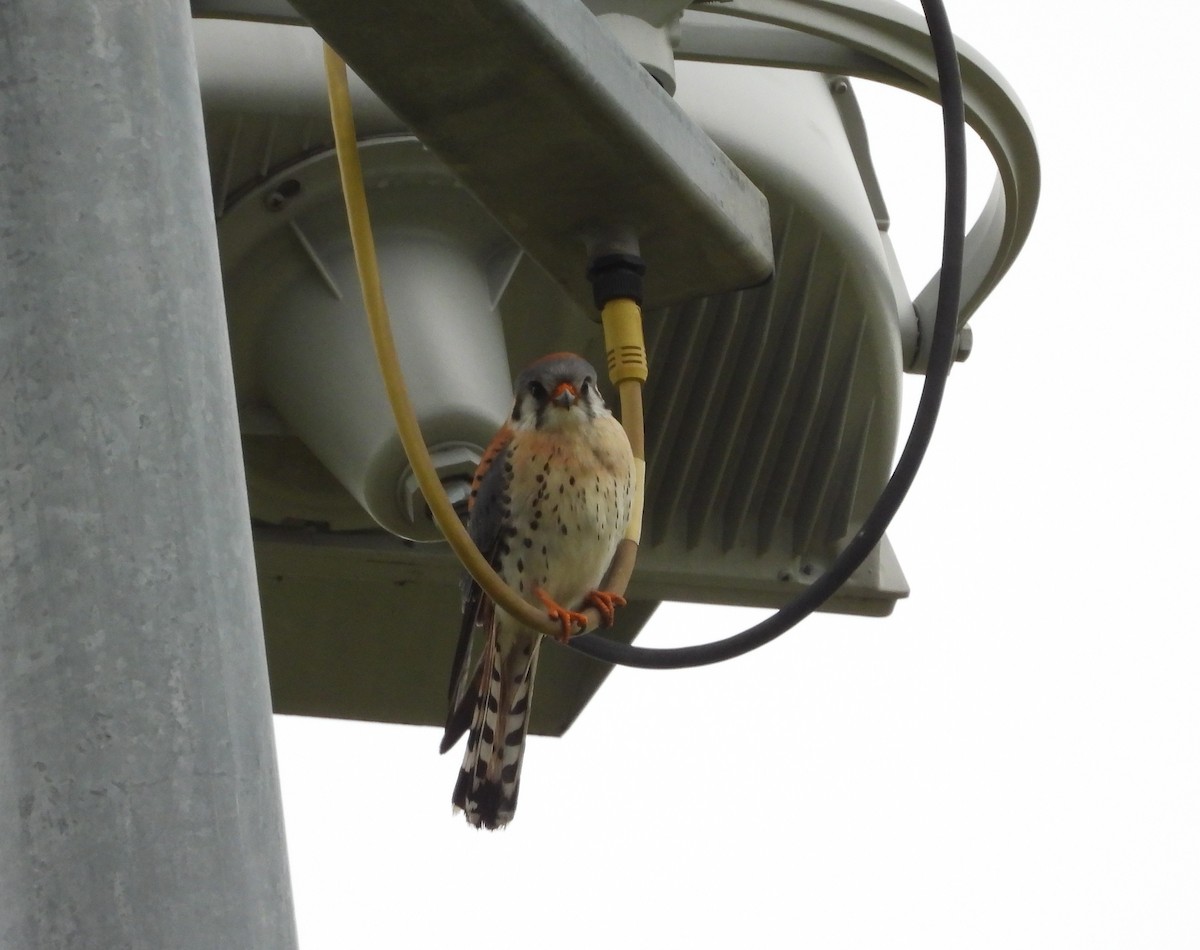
455, 464
963, 344
458, 490
279, 197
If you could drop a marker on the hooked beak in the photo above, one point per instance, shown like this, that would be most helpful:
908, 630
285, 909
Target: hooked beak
564, 395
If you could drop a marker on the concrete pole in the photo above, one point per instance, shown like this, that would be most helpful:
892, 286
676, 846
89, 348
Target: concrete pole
139, 798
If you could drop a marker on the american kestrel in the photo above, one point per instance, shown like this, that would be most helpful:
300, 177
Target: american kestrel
550, 501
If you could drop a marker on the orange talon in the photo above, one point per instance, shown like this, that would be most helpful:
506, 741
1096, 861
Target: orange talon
566, 618
606, 602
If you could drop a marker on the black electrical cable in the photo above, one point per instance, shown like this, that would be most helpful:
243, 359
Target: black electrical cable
941, 359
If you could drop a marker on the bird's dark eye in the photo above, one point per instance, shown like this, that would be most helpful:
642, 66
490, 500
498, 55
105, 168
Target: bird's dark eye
538, 391
587, 384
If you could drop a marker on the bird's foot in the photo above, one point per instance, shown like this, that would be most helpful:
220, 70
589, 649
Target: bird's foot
607, 603
565, 618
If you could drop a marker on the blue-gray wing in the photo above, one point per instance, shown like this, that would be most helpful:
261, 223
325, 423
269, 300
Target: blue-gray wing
486, 527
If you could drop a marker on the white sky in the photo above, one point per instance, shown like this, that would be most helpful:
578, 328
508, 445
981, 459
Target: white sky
1012, 759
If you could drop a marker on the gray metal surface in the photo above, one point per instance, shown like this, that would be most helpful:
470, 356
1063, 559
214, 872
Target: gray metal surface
139, 800
301, 340
888, 42
361, 627
560, 135
771, 413
883, 41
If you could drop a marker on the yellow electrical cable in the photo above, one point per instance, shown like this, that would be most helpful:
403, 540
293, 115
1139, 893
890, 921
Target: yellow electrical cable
627, 370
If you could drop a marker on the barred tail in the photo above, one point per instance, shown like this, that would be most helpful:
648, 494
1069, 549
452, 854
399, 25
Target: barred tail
490, 777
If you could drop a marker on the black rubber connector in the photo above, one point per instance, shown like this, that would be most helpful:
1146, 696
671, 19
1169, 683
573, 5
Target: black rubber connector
616, 275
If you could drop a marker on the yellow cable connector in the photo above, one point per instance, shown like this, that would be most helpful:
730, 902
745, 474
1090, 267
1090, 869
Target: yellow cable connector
624, 342
628, 369
617, 579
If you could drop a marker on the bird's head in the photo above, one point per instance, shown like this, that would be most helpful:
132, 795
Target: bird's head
556, 391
